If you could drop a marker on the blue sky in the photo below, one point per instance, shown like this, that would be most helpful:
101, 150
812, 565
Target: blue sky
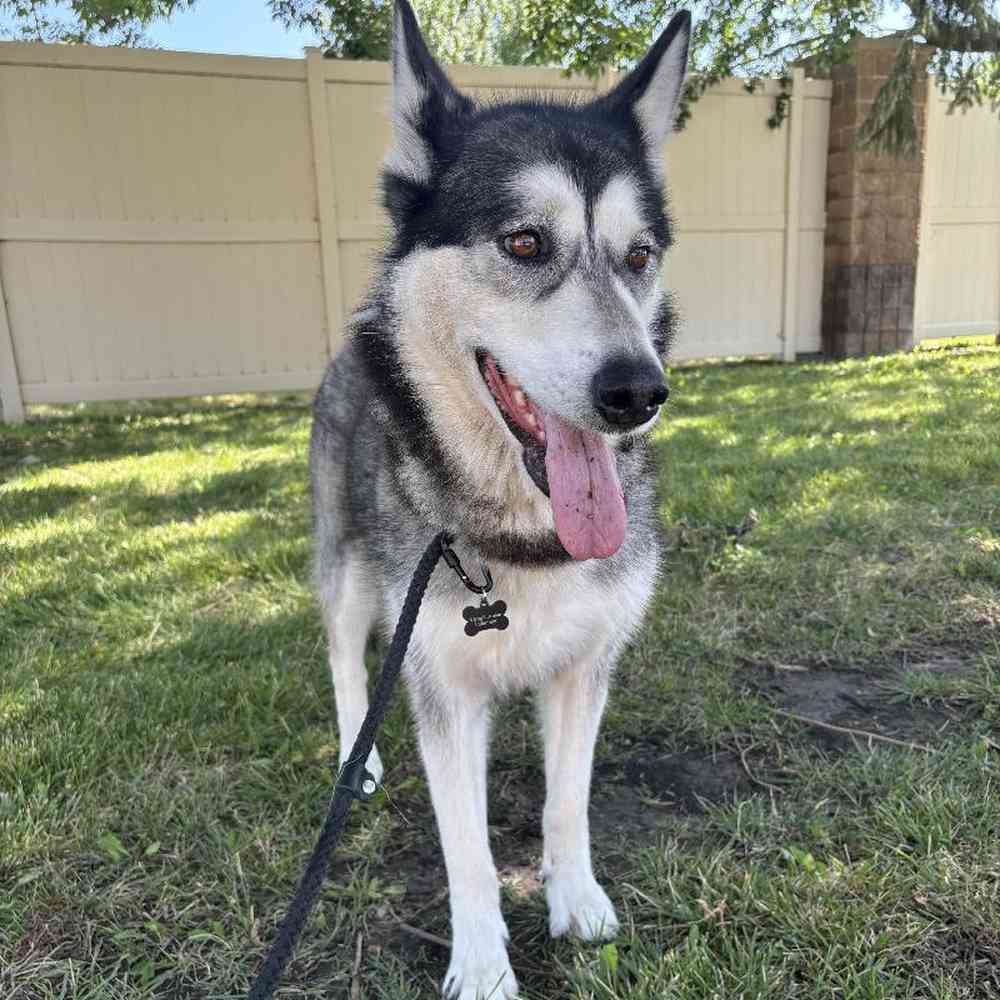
243, 27
240, 27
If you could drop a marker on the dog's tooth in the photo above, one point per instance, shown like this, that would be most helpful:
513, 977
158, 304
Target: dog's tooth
519, 399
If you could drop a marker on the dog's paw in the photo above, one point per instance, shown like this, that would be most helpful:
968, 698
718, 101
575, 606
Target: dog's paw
374, 764
480, 969
579, 906
493, 982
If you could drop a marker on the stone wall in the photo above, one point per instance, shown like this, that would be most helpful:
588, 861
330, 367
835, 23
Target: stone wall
873, 218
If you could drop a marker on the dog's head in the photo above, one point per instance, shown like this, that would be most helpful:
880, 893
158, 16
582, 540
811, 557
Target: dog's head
528, 237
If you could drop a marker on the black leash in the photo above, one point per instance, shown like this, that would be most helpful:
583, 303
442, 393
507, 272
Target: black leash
354, 781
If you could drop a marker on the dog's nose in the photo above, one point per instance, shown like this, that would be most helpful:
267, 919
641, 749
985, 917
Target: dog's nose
628, 392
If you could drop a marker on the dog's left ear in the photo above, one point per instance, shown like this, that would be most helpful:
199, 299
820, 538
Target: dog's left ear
651, 92
421, 96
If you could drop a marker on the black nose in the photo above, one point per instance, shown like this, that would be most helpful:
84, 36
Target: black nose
628, 392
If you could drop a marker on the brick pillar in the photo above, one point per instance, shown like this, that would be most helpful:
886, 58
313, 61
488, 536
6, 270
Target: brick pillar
872, 217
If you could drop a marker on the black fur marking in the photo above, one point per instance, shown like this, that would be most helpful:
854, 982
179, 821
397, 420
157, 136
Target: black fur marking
664, 327
557, 281
536, 550
384, 368
591, 142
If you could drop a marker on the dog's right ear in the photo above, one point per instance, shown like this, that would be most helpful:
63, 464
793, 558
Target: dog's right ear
421, 96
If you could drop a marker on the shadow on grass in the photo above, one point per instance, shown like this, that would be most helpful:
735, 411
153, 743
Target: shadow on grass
62, 440
245, 685
132, 506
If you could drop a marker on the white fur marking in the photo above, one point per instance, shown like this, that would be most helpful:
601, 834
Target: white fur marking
617, 216
408, 155
350, 605
550, 191
657, 108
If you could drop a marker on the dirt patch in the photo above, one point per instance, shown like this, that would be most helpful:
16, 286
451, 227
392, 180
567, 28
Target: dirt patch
51, 931
659, 785
859, 699
974, 955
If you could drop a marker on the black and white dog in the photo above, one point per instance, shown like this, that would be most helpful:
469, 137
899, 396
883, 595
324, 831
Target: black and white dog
498, 383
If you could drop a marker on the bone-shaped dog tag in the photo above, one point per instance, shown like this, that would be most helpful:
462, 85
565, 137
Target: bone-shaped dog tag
485, 616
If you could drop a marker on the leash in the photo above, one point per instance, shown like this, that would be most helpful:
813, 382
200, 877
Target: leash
355, 781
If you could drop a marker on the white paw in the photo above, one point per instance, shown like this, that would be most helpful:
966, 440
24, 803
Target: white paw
374, 763
579, 906
480, 969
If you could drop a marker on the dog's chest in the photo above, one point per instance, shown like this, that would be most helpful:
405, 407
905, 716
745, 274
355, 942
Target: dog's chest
556, 617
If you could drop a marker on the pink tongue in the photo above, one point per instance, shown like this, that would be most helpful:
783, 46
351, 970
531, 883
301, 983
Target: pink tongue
587, 501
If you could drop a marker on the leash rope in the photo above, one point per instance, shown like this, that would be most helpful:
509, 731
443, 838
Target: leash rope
353, 782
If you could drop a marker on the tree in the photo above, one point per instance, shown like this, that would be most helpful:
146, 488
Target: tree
746, 38
113, 22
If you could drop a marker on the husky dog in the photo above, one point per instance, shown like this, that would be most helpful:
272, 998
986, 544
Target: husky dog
497, 383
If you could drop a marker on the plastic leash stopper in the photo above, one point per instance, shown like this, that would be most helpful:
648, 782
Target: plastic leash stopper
358, 780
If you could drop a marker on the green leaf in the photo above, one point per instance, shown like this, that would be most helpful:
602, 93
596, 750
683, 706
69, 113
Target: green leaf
609, 956
112, 847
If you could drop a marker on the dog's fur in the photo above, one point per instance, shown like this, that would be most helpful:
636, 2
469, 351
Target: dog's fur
408, 439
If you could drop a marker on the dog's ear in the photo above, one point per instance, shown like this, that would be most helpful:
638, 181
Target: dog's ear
651, 92
421, 96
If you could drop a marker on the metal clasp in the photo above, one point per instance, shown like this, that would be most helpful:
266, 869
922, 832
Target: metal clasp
451, 558
358, 780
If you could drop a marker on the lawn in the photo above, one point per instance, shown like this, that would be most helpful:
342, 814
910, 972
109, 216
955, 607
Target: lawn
166, 718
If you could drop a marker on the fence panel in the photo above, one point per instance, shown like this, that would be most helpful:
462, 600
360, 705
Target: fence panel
158, 223
729, 175
958, 279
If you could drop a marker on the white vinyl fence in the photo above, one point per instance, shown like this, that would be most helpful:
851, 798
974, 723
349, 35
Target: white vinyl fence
175, 224
958, 274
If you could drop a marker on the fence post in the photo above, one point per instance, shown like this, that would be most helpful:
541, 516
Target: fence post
925, 231
326, 205
793, 212
11, 404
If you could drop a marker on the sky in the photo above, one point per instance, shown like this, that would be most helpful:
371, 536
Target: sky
241, 27
238, 27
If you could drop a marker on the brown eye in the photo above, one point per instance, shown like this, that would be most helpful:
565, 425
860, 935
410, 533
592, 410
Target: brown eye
637, 259
523, 245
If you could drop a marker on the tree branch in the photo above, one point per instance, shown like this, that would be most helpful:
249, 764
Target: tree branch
798, 43
983, 37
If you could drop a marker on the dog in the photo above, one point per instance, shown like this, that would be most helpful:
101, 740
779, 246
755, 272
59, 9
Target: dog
498, 383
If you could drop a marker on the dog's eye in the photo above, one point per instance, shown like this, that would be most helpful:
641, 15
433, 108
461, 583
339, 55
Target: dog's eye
637, 259
523, 245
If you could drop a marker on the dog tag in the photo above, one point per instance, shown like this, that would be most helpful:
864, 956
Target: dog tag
486, 616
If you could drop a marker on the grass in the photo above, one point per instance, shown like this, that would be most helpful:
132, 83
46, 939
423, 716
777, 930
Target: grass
166, 734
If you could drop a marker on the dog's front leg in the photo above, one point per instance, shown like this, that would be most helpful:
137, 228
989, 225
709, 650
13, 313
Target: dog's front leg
454, 731
571, 707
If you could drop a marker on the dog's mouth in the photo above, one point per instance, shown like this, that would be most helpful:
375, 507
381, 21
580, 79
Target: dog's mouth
574, 468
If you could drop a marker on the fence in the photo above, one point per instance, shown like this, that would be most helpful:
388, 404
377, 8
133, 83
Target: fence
958, 272
176, 224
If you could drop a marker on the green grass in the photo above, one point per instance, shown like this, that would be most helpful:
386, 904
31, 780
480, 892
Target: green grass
166, 733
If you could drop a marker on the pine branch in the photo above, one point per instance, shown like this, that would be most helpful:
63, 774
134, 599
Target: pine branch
982, 37
891, 126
